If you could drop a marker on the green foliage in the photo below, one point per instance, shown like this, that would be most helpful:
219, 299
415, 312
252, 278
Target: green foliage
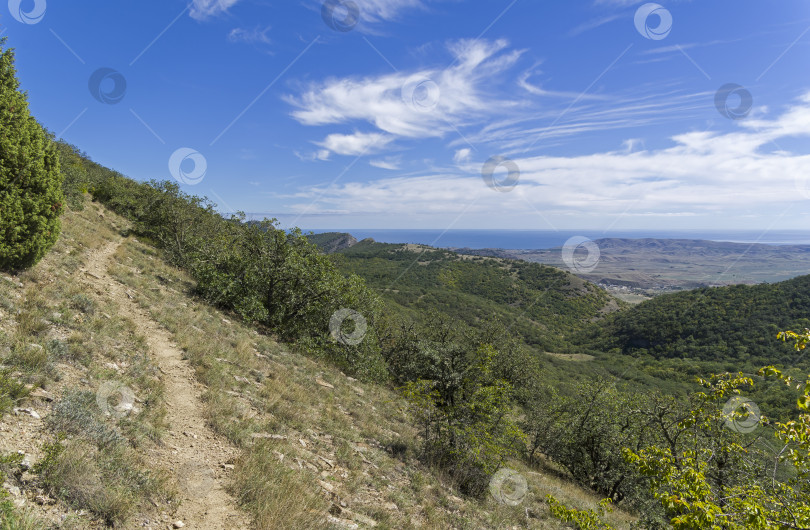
707, 475
30, 181
268, 276
580, 519
11, 390
51, 451
584, 430
624, 444
695, 497
72, 164
713, 325
13, 519
801, 339
463, 410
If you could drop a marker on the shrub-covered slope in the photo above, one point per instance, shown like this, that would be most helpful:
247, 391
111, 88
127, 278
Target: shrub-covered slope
544, 305
736, 323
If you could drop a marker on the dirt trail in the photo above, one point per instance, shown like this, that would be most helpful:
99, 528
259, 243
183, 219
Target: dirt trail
191, 451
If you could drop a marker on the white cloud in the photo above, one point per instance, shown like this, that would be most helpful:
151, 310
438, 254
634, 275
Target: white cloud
462, 155
593, 24
202, 9
379, 10
522, 131
523, 82
422, 104
631, 144
250, 36
702, 175
356, 144
321, 154
391, 163
680, 48
372, 12
474, 102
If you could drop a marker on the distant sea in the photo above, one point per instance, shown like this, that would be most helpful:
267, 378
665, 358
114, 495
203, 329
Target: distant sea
535, 239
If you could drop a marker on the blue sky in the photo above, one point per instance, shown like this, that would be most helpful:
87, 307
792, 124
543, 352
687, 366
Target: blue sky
606, 114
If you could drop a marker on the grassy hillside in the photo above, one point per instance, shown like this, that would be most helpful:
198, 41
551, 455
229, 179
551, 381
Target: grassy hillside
543, 305
314, 448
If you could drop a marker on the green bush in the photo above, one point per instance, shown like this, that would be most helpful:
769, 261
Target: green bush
464, 413
30, 181
74, 174
268, 276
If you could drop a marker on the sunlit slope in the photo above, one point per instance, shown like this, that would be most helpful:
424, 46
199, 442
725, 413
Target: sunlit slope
544, 305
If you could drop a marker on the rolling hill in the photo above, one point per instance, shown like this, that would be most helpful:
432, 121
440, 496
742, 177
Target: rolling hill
544, 305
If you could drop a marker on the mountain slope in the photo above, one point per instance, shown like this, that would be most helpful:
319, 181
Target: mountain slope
544, 305
311, 447
732, 324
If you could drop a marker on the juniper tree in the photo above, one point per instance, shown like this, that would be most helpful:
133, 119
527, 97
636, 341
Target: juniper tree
30, 180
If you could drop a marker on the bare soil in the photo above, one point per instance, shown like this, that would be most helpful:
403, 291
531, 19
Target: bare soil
192, 452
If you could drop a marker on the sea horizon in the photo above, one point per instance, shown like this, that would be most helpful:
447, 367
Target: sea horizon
544, 239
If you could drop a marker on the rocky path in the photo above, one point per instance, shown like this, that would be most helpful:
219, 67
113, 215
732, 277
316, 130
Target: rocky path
192, 451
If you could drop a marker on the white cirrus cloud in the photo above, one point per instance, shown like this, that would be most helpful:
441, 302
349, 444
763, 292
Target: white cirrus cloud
391, 163
458, 95
373, 12
202, 9
385, 10
250, 36
474, 102
707, 174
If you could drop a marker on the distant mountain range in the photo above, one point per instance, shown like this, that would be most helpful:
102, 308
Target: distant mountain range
660, 265
635, 269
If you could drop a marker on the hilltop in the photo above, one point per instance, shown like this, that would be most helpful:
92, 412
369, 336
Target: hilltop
331, 242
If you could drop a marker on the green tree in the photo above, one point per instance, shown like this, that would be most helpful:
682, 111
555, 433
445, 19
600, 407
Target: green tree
584, 431
30, 181
697, 492
463, 408
74, 174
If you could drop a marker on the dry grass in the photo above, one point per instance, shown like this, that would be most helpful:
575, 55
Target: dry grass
348, 449
316, 446
278, 496
76, 476
57, 335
